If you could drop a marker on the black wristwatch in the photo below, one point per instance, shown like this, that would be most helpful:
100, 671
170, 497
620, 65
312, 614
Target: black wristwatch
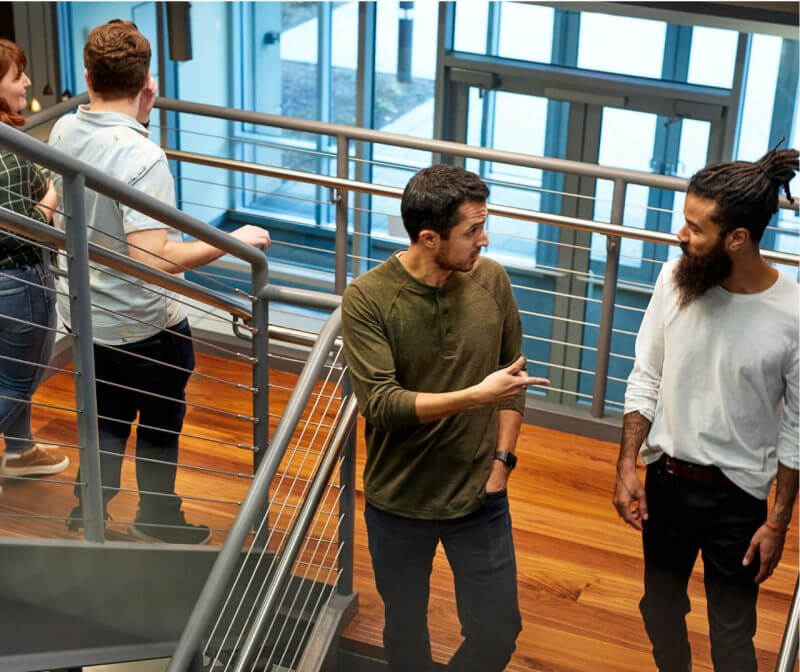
509, 459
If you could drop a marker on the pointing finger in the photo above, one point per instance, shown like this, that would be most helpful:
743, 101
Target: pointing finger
537, 381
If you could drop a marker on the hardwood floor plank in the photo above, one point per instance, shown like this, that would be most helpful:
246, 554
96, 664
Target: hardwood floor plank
579, 566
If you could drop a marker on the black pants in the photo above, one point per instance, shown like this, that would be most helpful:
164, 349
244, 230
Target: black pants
155, 473
717, 520
480, 551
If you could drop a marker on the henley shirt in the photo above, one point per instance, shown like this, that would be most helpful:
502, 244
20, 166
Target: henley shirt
718, 380
401, 337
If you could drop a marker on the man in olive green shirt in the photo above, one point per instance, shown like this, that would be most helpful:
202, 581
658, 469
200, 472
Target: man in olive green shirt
433, 345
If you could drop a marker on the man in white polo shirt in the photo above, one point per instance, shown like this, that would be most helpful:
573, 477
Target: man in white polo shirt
712, 402
142, 337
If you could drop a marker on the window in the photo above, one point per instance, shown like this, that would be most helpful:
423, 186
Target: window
405, 70
637, 47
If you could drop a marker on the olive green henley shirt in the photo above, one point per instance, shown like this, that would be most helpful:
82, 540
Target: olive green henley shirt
402, 336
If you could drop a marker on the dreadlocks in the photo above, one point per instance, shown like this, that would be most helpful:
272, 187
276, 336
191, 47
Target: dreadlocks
747, 193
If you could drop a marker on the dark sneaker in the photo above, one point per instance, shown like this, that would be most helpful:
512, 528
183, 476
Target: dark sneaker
75, 519
36, 461
172, 531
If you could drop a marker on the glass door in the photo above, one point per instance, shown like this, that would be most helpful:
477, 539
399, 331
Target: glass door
527, 124
649, 143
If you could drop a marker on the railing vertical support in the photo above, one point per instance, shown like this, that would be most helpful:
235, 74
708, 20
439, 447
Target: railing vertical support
340, 261
260, 323
83, 355
787, 655
347, 504
609, 298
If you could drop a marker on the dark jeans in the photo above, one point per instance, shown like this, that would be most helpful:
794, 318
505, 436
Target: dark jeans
23, 345
157, 450
717, 520
480, 551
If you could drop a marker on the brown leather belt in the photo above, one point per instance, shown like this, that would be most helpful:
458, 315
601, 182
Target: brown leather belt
699, 473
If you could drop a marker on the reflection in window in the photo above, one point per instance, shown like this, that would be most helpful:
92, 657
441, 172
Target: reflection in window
621, 44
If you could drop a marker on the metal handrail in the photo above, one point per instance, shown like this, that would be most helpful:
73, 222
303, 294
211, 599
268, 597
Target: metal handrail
435, 146
395, 139
787, 655
252, 505
55, 111
32, 228
304, 518
62, 163
331, 182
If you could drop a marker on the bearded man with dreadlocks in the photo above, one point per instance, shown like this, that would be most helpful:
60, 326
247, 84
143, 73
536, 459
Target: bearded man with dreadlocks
712, 407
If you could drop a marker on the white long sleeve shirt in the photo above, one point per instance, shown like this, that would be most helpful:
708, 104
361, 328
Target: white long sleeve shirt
718, 380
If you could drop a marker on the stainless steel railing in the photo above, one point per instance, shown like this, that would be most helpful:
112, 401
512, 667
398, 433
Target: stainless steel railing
600, 347
76, 178
298, 509
615, 230
252, 514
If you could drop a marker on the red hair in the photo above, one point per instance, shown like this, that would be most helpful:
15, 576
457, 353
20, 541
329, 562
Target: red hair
11, 55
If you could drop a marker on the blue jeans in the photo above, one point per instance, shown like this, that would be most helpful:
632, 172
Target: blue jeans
480, 551
23, 345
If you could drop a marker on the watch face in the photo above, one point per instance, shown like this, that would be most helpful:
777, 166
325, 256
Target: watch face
509, 459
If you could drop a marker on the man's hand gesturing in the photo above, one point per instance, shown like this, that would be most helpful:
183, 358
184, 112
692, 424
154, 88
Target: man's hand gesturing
506, 383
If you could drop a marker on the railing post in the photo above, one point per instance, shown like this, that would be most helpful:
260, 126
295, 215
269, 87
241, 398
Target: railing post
609, 298
340, 262
347, 504
260, 323
787, 655
80, 309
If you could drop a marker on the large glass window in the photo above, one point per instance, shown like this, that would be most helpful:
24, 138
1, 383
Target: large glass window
760, 85
713, 57
526, 32
638, 49
298, 60
405, 70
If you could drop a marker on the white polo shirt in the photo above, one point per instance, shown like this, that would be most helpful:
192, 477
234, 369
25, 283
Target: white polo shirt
127, 310
718, 380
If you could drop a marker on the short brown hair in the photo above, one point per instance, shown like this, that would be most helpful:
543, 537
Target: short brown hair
11, 56
117, 58
432, 197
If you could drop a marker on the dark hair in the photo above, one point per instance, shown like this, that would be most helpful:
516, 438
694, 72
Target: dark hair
11, 56
432, 197
746, 193
117, 58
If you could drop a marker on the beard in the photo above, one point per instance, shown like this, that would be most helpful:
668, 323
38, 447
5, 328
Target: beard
695, 275
443, 261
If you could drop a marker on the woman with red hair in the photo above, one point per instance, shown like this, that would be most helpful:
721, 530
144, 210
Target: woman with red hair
27, 295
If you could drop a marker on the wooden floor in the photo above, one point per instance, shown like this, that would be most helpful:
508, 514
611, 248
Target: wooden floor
579, 566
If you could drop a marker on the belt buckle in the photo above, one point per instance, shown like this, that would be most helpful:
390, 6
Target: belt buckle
669, 467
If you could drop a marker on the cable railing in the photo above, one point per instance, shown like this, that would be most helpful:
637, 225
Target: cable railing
304, 534
101, 260
229, 626
603, 325
346, 261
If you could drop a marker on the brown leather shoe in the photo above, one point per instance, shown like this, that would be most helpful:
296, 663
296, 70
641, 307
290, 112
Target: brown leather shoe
36, 461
